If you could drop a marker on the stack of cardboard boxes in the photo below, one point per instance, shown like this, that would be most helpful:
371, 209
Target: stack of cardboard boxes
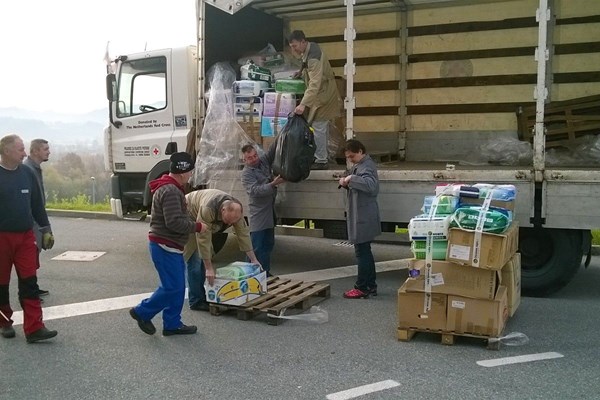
263, 103
476, 288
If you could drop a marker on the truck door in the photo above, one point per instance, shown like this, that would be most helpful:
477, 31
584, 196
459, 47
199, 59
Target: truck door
143, 116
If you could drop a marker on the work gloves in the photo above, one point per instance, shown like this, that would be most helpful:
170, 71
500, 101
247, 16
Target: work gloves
47, 240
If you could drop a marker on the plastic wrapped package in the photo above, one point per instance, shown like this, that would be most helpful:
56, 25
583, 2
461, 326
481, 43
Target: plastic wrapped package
446, 204
439, 249
507, 151
466, 218
584, 151
295, 150
295, 86
237, 271
499, 192
222, 137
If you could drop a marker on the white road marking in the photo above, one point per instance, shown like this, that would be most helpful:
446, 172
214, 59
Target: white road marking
519, 359
119, 303
362, 390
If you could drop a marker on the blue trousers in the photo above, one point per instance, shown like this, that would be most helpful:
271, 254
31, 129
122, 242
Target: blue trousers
263, 243
366, 266
196, 274
169, 295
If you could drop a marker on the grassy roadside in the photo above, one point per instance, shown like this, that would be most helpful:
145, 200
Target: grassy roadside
82, 203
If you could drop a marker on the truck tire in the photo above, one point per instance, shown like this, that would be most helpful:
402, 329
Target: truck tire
218, 241
549, 259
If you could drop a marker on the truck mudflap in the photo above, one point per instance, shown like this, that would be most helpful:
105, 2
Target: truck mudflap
550, 258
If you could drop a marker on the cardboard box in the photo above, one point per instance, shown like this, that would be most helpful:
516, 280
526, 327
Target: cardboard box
271, 126
495, 249
236, 292
278, 104
252, 130
411, 310
511, 278
476, 316
455, 279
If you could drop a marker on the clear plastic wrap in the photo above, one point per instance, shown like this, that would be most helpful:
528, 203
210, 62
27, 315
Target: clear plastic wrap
222, 137
584, 151
507, 151
316, 315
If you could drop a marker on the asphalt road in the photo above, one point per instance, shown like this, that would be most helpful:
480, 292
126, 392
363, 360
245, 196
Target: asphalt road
103, 355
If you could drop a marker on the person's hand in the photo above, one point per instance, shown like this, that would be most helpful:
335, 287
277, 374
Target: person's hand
210, 275
200, 227
47, 241
299, 109
344, 181
297, 74
278, 180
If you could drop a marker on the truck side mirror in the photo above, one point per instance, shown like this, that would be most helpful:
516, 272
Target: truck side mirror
111, 87
171, 148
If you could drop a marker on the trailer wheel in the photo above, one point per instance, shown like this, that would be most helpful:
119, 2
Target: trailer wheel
549, 259
218, 241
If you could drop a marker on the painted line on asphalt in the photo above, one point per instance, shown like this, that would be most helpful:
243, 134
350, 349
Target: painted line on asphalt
519, 359
363, 390
119, 303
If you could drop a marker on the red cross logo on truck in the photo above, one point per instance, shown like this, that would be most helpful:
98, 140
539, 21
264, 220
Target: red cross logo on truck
155, 151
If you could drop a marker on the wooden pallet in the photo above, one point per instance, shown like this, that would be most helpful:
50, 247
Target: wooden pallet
405, 335
281, 294
564, 121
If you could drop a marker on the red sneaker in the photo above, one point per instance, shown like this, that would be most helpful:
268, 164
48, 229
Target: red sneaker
356, 294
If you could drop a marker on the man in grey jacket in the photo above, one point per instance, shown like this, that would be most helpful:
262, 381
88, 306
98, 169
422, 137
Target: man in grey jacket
39, 152
261, 187
362, 220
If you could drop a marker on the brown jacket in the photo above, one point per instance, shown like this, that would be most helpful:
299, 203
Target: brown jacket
321, 95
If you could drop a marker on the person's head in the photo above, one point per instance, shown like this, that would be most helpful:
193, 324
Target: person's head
12, 151
181, 166
251, 158
354, 151
39, 150
231, 211
297, 41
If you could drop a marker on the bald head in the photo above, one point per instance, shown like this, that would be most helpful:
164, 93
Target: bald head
231, 211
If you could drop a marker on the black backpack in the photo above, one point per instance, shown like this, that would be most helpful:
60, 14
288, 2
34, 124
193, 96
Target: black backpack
295, 150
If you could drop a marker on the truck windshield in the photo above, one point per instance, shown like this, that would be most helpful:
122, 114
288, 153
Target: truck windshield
142, 86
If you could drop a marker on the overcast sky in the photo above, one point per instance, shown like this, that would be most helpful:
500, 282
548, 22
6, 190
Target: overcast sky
53, 50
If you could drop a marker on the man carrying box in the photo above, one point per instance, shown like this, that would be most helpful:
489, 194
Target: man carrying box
218, 211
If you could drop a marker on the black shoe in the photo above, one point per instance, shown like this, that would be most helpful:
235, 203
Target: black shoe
319, 166
183, 330
269, 274
7, 332
146, 326
200, 306
42, 292
40, 334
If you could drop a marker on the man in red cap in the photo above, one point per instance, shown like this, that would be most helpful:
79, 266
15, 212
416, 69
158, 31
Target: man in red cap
170, 228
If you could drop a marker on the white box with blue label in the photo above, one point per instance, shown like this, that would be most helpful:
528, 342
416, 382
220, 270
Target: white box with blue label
271, 126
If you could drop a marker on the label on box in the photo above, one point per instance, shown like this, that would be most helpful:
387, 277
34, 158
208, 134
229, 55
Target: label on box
437, 279
458, 304
459, 252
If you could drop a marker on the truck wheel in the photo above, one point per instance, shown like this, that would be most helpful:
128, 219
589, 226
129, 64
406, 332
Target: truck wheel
218, 241
549, 259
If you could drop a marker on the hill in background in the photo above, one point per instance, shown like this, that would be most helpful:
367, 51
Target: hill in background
65, 132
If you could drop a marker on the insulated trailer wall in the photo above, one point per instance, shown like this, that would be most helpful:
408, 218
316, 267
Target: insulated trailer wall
433, 83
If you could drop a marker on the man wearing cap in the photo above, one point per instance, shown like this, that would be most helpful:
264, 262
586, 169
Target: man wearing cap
218, 211
170, 228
